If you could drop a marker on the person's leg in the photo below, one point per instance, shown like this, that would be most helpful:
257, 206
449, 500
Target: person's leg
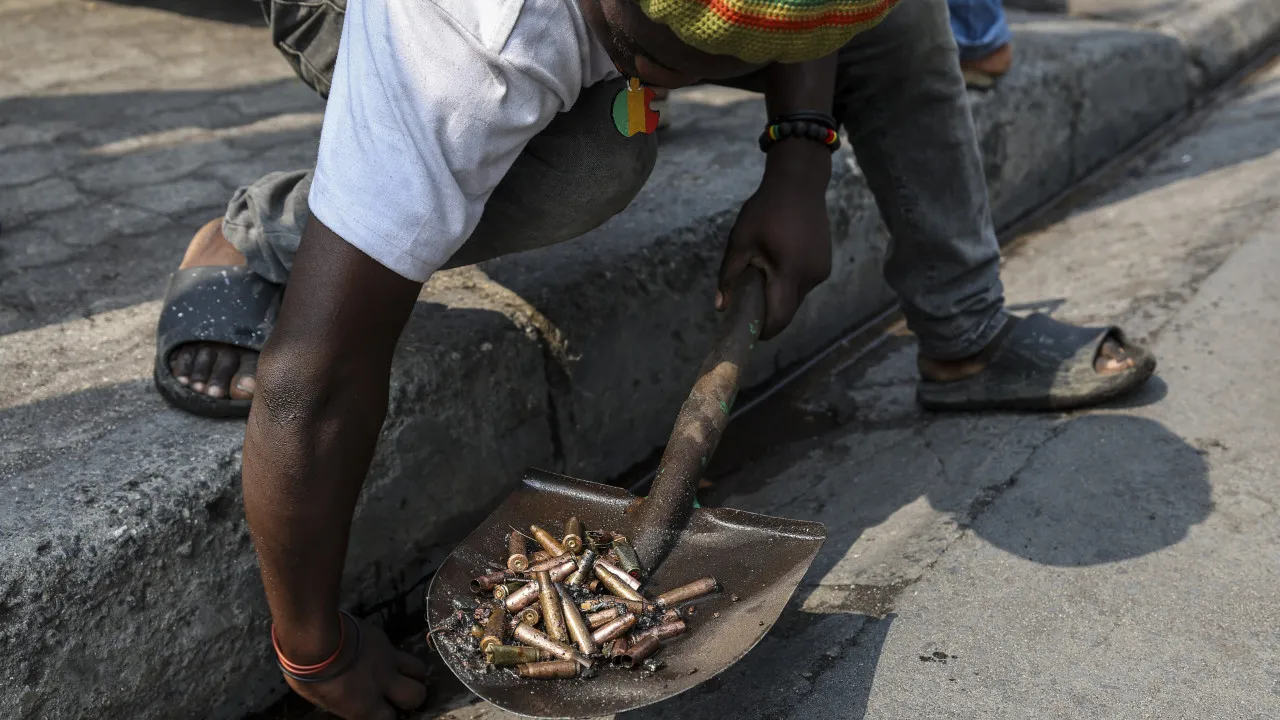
571, 178
901, 98
263, 222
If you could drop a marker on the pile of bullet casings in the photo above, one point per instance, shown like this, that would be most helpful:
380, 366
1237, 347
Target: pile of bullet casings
556, 612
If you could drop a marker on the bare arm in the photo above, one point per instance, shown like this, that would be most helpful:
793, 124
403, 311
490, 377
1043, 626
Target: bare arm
323, 382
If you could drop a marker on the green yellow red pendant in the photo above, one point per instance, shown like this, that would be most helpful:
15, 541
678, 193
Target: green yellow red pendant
631, 112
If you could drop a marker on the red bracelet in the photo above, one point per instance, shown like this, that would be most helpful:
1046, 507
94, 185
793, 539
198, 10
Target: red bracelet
295, 669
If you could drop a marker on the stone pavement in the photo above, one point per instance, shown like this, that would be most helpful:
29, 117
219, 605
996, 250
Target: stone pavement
127, 584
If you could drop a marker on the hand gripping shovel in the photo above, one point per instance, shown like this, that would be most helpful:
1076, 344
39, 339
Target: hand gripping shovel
759, 560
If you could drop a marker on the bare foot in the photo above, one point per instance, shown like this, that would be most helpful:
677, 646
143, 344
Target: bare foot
1111, 359
214, 369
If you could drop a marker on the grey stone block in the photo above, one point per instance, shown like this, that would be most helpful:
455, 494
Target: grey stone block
1092, 89
129, 584
1224, 35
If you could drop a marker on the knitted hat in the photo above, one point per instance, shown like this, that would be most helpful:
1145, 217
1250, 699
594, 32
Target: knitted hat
760, 31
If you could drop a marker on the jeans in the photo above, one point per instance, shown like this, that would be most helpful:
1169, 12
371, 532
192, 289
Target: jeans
979, 26
899, 95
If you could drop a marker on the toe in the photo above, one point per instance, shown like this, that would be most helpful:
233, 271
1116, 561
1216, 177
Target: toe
201, 366
180, 362
225, 364
1112, 358
245, 382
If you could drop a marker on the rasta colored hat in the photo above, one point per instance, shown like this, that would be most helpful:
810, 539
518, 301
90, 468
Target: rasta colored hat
762, 31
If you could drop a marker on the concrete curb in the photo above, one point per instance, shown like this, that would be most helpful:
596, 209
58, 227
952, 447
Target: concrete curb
128, 585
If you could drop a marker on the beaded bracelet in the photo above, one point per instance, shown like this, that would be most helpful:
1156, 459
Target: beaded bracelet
317, 673
818, 127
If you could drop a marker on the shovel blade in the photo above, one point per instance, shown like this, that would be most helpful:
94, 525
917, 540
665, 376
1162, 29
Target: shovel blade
757, 558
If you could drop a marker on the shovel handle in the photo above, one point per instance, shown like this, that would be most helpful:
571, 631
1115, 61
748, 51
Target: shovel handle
701, 422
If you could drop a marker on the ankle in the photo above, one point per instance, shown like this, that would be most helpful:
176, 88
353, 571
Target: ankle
949, 370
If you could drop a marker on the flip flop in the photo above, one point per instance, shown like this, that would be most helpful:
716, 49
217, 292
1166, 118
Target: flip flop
1038, 363
978, 79
220, 304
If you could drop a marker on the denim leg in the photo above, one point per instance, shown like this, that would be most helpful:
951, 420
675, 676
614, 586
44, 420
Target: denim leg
979, 26
901, 98
264, 221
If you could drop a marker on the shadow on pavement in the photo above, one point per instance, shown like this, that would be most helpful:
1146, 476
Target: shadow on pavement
1065, 492
240, 12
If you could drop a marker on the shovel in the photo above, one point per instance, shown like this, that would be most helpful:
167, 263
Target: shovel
758, 560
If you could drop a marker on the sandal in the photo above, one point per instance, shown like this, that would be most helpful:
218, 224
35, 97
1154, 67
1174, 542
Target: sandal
1038, 363
220, 304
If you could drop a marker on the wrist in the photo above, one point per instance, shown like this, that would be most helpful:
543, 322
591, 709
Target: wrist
799, 161
310, 642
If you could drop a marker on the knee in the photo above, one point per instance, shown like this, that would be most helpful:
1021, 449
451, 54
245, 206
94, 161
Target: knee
591, 154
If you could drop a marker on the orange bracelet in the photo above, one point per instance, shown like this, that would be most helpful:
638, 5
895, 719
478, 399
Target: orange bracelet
309, 670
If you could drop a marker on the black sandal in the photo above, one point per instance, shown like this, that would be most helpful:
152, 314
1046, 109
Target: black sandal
219, 304
1038, 363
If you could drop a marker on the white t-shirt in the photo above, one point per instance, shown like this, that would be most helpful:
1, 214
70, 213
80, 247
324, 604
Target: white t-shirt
432, 100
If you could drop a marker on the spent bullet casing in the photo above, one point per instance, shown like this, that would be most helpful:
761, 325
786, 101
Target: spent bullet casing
622, 575
585, 566
615, 584
695, 589
552, 613
578, 629
548, 543
495, 628
550, 564
634, 655
530, 636
600, 602
627, 557
501, 592
613, 629
551, 670
618, 645
486, 582
665, 631
528, 595
572, 535
517, 558
508, 655
599, 618
530, 616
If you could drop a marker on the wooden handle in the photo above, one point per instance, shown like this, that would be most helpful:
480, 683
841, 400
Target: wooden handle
700, 424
